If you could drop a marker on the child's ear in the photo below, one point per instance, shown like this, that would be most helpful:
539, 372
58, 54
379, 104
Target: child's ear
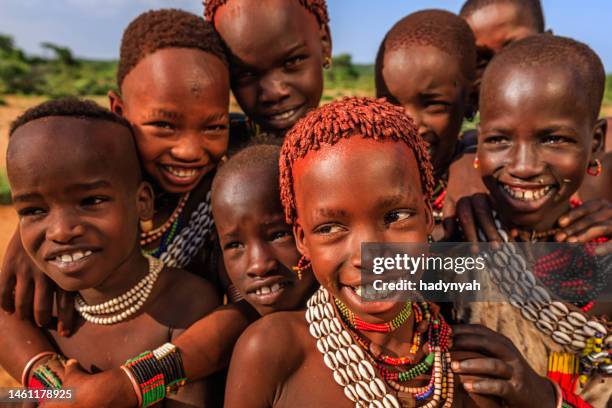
599, 136
326, 42
115, 102
146, 204
300, 240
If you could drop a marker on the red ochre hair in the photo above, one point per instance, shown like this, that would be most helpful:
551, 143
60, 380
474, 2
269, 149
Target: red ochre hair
316, 7
370, 117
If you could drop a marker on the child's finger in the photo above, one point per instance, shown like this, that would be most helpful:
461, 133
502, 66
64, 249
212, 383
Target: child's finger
601, 217
591, 233
499, 388
491, 367
479, 338
604, 249
65, 312
579, 212
465, 215
484, 216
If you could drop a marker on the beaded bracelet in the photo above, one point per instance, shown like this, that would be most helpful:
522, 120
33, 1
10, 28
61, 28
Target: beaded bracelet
156, 373
25, 375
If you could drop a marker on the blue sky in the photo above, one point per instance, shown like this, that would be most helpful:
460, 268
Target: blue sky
92, 28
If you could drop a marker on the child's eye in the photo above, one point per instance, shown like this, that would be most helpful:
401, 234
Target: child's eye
217, 127
94, 200
232, 245
160, 124
293, 61
30, 211
496, 139
553, 139
281, 235
327, 229
397, 216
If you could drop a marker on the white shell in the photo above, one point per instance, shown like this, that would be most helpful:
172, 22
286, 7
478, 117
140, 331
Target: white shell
576, 319
559, 308
342, 356
561, 338
349, 391
578, 345
341, 377
516, 301
324, 326
376, 404
378, 388
363, 390
541, 295
358, 351
390, 401
333, 341
528, 278
597, 327
366, 370
546, 314
322, 345
314, 330
544, 326
529, 313
566, 327
316, 312
353, 372
345, 338
590, 332
500, 259
328, 311
335, 325
309, 315
330, 360
608, 341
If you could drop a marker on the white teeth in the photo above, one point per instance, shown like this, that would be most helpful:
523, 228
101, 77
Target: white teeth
283, 116
75, 256
182, 172
275, 287
526, 195
357, 290
264, 290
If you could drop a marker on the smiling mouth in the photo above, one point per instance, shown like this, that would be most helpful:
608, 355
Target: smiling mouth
70, 259
283, 116
270, 290
527, 194
368, 292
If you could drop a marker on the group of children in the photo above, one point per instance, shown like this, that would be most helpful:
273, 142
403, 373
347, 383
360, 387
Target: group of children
160, 242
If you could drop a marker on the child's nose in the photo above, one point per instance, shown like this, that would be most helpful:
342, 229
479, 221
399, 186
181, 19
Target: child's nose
260, 261
64, 227
525, 161
361, 236
188, 148
273, 89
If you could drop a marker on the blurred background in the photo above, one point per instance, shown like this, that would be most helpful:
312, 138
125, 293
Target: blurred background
69, 47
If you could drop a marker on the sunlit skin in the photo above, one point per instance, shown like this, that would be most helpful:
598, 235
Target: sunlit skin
258, 246
358, 190
76, 186
86, 202
177, 101
431, 86
497, 25
536, 131
277, 52
379, 200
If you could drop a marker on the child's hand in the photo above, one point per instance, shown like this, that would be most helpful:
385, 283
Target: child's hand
107, 389
27, 291
505, 374
591, 220
473, 213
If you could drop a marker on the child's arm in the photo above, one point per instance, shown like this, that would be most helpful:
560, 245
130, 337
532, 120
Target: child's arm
28, 292
504, 374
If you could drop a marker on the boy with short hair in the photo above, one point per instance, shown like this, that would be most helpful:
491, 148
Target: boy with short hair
76, 184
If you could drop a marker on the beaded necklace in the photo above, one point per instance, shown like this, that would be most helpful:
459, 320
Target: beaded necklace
153, 235
387, 327
353, 369
438, 196
120, 308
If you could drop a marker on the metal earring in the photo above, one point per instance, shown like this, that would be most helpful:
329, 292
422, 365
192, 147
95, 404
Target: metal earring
594, 164
327, 63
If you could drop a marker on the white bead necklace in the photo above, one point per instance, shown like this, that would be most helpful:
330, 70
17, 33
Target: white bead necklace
126, 304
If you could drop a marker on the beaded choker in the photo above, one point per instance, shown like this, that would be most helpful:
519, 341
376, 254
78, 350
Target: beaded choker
120, 308
356, 323
146, 237
353, 367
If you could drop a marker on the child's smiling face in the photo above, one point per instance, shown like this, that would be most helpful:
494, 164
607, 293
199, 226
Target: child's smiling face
258, 246
277, 51
358, 190
430, 85
77, 189
177, 100
535, 141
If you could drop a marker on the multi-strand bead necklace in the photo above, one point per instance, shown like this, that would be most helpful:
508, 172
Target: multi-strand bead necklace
120, 308
350, 355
